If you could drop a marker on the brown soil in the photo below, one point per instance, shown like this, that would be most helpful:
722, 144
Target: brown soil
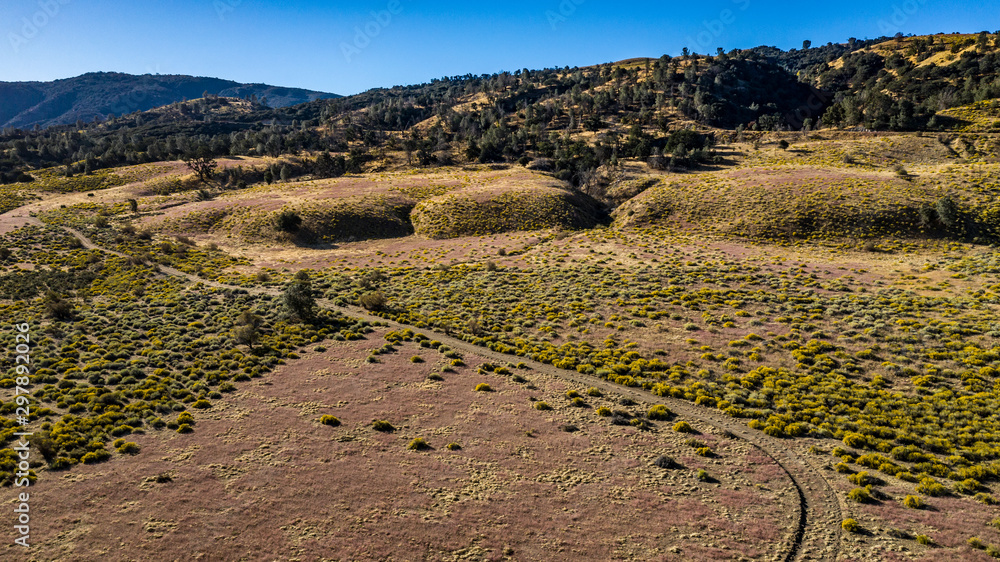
261, 479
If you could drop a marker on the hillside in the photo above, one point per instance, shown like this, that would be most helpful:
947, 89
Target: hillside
577, 118
96, 95
610, 111
902, 83
730, 307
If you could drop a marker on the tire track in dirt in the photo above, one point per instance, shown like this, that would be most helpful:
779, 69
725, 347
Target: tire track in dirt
817, 531
817, 524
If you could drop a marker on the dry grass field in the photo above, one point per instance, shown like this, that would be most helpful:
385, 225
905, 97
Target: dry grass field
818, 323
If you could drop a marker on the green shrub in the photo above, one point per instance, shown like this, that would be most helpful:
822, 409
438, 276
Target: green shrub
594, 391
603, 412
184, 428
985, 498
288, 221
924, 539
850, 525
129, 448
860, 495
453, 446
931, 487
683, 427
382, 425
913, 502
416, 359
570, 394
373, 301
976, 542
862, 478
58, 308
201, 404
855, 440
542, 406
61, 463
418, 444
774, 431
659, 412
329, 420
121, 430
967, 486
703, 475
483, 387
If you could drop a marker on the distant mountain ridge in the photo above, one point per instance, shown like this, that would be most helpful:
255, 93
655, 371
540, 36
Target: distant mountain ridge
97, 94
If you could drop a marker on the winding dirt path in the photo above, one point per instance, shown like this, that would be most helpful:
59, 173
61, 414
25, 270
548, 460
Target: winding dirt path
817, 530
821, 510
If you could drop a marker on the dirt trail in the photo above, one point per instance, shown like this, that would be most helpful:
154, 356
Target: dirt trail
24, 215
817, 527
821, 510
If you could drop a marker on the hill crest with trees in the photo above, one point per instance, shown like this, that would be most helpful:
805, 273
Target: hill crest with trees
569, 121
95, 95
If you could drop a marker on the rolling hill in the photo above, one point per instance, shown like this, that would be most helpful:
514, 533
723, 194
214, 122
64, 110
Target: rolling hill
729, 307
97, 94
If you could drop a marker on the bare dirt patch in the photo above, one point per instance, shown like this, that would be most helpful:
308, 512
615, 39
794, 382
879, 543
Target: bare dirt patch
261, 475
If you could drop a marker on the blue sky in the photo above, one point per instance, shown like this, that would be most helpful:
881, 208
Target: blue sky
349, 47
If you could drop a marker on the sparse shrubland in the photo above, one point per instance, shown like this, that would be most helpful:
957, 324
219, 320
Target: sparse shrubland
94, 380
831, 286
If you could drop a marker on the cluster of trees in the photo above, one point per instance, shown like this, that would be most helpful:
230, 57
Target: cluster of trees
521, 114
811, 59
895, 92
528, 114
82, 152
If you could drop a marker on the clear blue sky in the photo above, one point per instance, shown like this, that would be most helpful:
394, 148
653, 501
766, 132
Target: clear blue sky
317, 45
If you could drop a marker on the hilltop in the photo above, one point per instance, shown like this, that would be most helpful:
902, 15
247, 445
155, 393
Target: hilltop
96, 95
901, 84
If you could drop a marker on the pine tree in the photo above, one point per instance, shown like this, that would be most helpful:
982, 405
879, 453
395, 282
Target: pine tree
298, 302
